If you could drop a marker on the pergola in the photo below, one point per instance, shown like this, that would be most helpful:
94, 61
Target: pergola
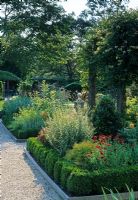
6, 78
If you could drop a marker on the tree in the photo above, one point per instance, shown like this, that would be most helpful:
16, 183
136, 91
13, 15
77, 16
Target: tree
119, 53
98, 12
90, 62
38, 36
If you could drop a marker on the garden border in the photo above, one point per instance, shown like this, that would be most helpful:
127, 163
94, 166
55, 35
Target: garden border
62, 194
11, 135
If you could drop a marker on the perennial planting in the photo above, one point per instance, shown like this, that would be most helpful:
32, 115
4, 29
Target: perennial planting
81, 157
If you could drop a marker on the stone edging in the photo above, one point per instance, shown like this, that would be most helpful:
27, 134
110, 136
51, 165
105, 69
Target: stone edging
62, 194
11, 135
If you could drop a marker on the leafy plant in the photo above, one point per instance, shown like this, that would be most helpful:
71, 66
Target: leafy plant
48, 100
27, 122
118, 195
130, 134
85, 155
12, 106
96, 156
119, 155
105, 118
66, 128
132, 109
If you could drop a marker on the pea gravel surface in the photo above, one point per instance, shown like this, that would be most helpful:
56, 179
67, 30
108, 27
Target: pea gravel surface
19, 179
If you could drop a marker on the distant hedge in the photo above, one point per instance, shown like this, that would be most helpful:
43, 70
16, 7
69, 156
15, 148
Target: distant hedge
78, 182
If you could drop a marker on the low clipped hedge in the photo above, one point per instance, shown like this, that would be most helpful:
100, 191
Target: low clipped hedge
78, 182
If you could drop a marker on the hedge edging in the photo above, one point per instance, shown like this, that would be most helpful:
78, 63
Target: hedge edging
75, 181
62, 194
11, 135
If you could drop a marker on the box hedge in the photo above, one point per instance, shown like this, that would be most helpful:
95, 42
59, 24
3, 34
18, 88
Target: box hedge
51, 158
78, 182
57, 170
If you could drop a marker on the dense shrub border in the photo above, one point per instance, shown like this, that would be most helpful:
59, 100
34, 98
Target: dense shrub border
78, 182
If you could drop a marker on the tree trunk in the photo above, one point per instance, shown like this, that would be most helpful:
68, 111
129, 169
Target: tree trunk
92, 87
121, 99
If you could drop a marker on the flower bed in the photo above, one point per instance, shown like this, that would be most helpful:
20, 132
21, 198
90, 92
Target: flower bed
77, 181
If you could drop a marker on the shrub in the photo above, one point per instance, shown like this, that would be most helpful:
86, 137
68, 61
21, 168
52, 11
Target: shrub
85, 155
32, 143
78, 182
26, 123
66, 128
57, 170
130, 134
48, 100
81, 182
37, 150
12, 106
132, 109
66, 170
105, 118
119, 155
42, 156
51, 158
92, 156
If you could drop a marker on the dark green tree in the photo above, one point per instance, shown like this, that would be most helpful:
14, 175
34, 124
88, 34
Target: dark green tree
38, 37
119, 54
105, 118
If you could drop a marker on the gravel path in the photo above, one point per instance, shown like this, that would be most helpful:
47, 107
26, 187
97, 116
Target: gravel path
18, 177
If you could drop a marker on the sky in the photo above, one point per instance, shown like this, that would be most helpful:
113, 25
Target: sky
78, 5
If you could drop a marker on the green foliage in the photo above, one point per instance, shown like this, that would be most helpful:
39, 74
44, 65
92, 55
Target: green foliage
65, 173
118, 196
24, 87
1, 90
130, 134
12, 106
113, 178
37, 150
105, 118
51, 159
65, 128
132, 109
1, 105
42, 156
57, 170
78, 182
94, 156
49, 99
119, 155
33, 142
84, 155
26, 123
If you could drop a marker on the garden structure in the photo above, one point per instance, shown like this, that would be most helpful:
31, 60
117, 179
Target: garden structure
8, 83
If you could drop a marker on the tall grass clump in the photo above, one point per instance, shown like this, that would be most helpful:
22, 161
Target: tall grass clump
65, 128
